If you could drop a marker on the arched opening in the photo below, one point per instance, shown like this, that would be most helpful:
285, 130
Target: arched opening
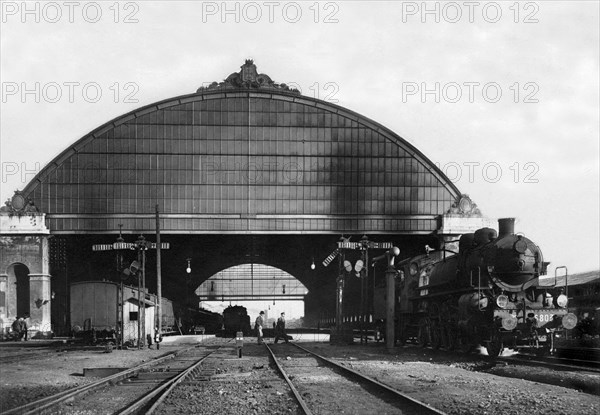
18, 275
256, 287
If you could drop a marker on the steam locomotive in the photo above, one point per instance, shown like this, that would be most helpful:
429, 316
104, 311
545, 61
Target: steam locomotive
486, 294
236, 318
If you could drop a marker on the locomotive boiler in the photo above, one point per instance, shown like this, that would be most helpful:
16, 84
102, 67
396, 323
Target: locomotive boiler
488, 293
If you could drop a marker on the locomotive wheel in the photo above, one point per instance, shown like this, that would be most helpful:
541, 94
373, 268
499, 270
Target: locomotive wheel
450, 338
436, 336
543, 350
463, 343
434, 312
435, 326
444, 337
424, 337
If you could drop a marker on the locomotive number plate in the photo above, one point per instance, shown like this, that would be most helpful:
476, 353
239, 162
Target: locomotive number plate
544, 318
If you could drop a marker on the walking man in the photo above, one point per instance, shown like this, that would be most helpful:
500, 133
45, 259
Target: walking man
280, 329
258, 326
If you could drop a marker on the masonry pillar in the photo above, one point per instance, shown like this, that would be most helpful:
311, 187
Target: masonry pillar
24, 246
39, 297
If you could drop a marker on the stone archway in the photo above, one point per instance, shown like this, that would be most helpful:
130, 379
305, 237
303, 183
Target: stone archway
24, 266
18, 288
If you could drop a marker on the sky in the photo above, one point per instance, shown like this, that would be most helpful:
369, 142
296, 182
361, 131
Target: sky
503, 96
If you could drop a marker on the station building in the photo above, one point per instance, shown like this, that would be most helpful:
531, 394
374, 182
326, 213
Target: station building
245, 174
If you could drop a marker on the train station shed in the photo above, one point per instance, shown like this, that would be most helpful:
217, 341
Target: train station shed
243, 171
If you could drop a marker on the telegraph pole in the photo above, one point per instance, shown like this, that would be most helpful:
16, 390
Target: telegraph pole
158, 335
139, 293
142, 247
121, 294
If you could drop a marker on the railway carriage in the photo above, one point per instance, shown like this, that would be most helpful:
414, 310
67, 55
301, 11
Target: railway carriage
95, 315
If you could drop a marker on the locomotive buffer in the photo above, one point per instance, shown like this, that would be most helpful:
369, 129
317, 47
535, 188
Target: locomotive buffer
141, 245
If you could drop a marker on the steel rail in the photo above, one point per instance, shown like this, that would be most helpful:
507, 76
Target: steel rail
24, 356
41, 352
45, 404
297, 395
422, 407
163, 390
559, 363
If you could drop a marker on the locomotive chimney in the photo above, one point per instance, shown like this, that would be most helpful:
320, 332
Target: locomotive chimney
506, 226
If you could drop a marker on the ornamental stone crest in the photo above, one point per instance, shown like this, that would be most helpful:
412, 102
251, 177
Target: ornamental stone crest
464, 206
19, 205
248, 78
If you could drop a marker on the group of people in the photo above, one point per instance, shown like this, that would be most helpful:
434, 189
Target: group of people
19, 328
279, 328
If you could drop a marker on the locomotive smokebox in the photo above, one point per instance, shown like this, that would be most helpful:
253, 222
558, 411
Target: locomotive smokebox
506, 226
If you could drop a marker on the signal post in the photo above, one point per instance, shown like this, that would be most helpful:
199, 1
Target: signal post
360, 269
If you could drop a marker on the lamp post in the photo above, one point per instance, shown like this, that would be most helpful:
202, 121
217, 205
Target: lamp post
364, 280
339, 292
188, 271
390, 275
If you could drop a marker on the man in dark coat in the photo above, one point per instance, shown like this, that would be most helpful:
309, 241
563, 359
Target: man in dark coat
280, 330
19, 326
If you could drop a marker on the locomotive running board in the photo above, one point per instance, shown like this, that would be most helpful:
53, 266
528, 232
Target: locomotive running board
465, 290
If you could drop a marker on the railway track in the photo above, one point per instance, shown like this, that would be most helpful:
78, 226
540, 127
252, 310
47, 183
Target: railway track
553, 362
564, 359
41, 352
132, 391
25, 355
316, 381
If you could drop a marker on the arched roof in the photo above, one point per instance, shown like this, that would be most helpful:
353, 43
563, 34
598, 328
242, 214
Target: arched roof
242, 157
251, 281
